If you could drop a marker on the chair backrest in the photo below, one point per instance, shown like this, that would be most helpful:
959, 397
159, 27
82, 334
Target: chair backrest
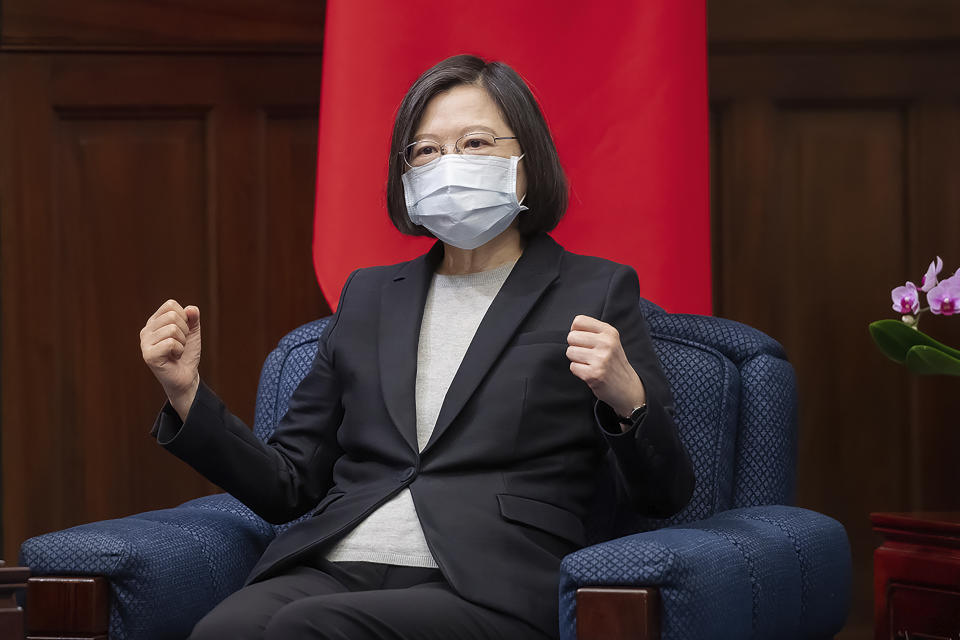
736, 407
282, 371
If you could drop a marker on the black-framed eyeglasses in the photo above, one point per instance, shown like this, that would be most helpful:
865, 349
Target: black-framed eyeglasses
478, 143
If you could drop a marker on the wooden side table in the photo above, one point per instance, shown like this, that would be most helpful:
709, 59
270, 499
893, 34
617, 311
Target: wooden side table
917, 576
12, 579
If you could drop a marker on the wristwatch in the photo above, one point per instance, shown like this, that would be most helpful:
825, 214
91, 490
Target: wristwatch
635, 416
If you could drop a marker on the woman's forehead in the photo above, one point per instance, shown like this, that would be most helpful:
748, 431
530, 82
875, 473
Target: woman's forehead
459, 110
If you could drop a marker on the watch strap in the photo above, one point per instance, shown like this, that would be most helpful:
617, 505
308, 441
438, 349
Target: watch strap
635, 416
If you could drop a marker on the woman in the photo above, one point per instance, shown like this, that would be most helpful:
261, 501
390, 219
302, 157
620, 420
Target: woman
449, 432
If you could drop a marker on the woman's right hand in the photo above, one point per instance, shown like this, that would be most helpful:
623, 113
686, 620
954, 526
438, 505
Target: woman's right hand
170, 343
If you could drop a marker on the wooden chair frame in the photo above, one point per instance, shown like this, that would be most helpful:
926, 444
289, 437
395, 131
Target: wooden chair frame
78, 607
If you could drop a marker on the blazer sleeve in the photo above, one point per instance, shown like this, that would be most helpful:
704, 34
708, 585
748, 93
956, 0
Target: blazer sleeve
284, 477
653, 467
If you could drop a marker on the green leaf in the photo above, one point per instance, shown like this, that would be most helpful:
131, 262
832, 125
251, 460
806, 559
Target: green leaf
895, 339
927, 360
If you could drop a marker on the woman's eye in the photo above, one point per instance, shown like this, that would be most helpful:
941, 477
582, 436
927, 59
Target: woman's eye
425, 151
476, 143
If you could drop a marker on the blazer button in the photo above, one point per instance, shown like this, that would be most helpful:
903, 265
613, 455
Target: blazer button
409, 474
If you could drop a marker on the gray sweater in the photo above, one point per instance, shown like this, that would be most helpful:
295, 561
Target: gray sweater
454, 308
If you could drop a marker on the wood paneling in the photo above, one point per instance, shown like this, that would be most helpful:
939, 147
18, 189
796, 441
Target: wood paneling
191, 177
289, 174
841, 188
173, 24
837, 147
843, 22
816, 74
150, 170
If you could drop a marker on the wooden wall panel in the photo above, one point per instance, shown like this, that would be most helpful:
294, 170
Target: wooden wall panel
716, 198
113, 201
811, 226
151, 170
268, 273
840, 186
289, 182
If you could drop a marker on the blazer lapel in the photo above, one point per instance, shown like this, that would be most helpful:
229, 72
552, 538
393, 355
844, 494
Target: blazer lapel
401, 311
536, 269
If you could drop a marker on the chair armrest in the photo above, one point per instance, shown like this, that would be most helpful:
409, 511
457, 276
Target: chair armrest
166, 568
771, 571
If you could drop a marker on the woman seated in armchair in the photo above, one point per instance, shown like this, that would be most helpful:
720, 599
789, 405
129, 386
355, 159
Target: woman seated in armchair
448, 435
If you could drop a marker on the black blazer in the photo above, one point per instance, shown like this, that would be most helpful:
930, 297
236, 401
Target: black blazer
504, 483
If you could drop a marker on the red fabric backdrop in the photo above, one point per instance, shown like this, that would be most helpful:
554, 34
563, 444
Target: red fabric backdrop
622, 84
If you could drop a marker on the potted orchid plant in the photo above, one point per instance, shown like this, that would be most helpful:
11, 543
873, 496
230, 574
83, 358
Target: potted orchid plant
902, 341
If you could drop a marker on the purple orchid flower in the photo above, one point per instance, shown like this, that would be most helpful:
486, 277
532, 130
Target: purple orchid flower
944, 299
929, 280
906, 299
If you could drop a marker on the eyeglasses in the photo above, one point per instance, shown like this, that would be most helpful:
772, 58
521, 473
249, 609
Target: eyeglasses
421, 152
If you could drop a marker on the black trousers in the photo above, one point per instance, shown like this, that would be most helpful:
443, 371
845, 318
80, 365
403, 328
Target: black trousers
356, 601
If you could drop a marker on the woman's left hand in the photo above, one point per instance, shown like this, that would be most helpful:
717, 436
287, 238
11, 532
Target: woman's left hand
597, 357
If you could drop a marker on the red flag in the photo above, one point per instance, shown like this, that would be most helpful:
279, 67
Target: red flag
622, 84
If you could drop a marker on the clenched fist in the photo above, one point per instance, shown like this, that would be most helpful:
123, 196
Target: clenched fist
596, 357
170, 343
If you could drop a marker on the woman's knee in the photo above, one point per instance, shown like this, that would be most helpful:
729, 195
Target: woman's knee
225, 622
314, 618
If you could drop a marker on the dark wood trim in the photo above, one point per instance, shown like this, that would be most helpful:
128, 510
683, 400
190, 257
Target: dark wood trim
68, 607
846, 21
936, 528
618, 613
834, 77
255, 26
292, 49
916, 573
12, 580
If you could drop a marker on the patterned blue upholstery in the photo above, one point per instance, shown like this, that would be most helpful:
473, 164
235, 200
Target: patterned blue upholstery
282, 371
756, 572
731, 564
166, 568
727, 565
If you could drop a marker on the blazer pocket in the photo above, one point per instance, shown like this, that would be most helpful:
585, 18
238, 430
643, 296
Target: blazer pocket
539, 337
543, 516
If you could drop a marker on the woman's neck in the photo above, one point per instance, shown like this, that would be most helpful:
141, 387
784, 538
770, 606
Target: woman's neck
505, 248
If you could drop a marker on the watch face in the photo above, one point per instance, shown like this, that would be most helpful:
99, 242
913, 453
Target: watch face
635, 415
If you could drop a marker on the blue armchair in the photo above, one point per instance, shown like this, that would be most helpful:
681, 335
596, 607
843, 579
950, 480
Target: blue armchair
735, 563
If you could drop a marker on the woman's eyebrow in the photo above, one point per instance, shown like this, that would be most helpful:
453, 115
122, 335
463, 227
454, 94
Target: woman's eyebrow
469, 129
476, 127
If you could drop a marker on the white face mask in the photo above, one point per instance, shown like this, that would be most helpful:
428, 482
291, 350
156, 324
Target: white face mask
463, 200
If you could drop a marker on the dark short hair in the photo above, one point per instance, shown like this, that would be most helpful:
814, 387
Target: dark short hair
546, 183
